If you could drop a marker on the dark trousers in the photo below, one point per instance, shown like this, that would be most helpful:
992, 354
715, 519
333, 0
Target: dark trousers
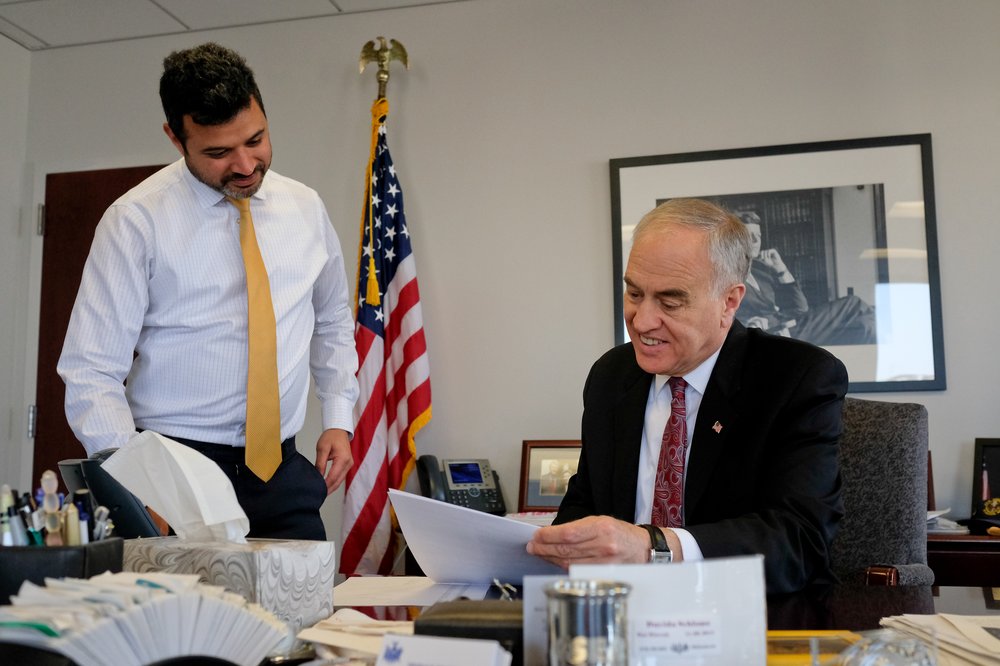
286, 506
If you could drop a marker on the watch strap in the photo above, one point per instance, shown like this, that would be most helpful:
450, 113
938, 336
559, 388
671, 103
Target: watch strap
657, 540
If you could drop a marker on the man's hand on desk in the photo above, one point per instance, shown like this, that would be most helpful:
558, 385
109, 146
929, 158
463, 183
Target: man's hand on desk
334, 448
596, 540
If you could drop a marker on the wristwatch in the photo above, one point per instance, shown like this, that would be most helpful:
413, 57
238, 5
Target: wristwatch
659, 551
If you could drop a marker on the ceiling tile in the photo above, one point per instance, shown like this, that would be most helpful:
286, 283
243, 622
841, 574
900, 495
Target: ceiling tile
370, 5
199, 14
64, 22
41, 24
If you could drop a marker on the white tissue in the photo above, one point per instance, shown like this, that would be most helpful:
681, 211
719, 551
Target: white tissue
186, 488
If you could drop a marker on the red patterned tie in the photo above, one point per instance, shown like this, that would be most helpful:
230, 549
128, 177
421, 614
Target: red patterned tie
668, 493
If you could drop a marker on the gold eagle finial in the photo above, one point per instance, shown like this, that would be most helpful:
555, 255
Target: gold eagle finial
387, 51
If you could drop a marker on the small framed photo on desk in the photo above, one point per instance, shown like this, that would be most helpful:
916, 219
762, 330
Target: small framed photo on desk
986, 479
546, 467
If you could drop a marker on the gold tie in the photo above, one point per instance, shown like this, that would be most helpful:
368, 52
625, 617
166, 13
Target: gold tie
263, 445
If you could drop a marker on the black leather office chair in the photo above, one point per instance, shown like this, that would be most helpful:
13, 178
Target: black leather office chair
882, 538
126, 511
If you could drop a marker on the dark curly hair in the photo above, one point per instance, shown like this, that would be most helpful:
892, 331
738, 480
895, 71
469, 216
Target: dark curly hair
209, 82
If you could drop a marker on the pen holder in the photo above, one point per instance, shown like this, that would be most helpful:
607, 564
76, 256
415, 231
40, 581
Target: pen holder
36, 563
588, 623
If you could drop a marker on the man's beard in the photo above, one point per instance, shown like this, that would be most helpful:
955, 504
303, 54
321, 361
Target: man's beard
242, 193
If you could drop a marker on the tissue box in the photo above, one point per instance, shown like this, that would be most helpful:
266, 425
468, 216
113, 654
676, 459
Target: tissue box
292, 579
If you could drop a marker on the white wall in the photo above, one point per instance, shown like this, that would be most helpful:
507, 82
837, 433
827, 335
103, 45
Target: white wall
16, 220
502, 130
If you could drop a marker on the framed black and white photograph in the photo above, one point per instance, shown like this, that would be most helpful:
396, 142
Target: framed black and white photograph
986, 479
546, 467
845, 245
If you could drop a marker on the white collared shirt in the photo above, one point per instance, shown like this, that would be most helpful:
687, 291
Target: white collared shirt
657, 414
165, 281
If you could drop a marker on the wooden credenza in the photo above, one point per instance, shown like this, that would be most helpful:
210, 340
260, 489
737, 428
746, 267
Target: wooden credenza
963, 559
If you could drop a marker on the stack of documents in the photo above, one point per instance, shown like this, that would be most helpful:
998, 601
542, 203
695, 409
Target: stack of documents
126, 619
402, 591
938, 524
353, 634
455, 544
960, 639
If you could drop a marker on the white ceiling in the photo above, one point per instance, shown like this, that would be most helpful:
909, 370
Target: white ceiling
45, 24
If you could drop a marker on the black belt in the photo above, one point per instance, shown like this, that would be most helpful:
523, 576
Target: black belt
229, 453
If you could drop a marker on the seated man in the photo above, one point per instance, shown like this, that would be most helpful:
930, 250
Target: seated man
775, 303
737, 455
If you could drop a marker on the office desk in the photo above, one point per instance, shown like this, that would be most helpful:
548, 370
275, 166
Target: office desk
848, 607
827, 607
963, 559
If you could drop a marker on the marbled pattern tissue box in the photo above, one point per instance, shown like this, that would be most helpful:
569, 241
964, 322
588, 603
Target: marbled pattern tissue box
292, 579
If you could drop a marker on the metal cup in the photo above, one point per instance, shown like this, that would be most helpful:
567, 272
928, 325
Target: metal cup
588, 622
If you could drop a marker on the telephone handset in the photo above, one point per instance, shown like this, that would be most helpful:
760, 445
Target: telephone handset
471, 483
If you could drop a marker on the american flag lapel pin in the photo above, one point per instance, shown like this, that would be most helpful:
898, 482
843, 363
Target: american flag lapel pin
717, 427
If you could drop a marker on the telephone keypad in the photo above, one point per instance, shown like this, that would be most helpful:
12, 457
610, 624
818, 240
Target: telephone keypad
487, 500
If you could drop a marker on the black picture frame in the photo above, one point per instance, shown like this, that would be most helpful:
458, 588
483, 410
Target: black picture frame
855, 220
991, 597
986, 478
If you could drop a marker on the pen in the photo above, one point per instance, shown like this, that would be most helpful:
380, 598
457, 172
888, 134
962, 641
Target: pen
71, 524
84, 524
6, 499
100, 522
34, 538
18, 532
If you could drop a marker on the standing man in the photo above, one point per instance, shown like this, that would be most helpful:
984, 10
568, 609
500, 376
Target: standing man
702, 438
165, 307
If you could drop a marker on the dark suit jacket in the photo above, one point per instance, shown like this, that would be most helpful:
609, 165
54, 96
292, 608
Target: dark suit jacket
767, 482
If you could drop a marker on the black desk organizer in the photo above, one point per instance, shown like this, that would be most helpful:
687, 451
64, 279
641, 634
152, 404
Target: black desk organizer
490, 619
36, 563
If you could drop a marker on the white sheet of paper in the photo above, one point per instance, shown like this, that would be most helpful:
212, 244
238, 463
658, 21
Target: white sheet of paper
454, 544
401, 591
423, 650
714, 610
190, 491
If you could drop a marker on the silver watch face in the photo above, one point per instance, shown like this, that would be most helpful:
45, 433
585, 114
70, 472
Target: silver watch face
660, 556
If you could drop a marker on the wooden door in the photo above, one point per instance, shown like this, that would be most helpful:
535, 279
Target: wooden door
74, 204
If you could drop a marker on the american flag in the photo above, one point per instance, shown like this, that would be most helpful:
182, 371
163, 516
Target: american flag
393, 371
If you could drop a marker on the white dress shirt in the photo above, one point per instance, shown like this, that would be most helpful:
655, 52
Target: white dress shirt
162, 306
657, 414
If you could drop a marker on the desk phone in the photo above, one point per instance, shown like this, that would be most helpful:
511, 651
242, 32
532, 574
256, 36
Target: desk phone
467, 482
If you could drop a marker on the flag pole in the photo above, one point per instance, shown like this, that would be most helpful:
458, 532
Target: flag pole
393, 369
